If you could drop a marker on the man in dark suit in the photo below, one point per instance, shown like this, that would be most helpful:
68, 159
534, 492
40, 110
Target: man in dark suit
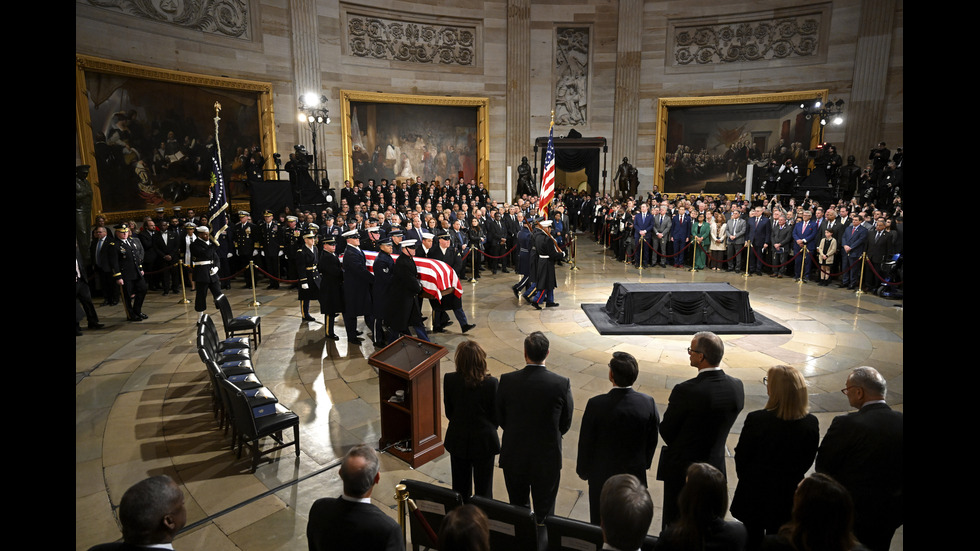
680, 236
700, 412
760, 231
737, 229
83, 296
619, 432
166, 243
881, 244
351, 521
864, 452
853, 243
151, 512
642, 236
534, 407
804, 235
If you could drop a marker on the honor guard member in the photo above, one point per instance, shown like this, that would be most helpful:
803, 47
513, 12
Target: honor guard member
396, 236
384, 270
291, 238
404, 306
205, 262
330, 228
443, 250
523, 258
357, 288
270, 247
331, 285
548, 256
243, 244
307, 260
125, 264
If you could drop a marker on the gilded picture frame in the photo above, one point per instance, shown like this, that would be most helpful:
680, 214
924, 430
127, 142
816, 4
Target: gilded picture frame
480, 141
666, 104
156, 82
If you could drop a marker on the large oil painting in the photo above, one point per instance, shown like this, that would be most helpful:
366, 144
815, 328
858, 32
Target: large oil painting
149, 134
706, 144
404, 137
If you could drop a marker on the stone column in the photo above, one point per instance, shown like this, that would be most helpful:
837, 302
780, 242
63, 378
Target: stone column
519, 141
626, 110
306, 75
865, 110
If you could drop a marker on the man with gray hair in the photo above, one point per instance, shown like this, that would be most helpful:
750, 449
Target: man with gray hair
151, 512
700, 413
351, 521
864, 451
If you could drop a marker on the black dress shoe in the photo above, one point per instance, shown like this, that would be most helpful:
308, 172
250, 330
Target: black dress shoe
505, 271
379, 344
309, 318
438, 330
468, 326
536, 305
359, 333
355, 340
517, 294
144, 316
333, 336
95, 325
165, 293
551, 304
447, 324
134, 318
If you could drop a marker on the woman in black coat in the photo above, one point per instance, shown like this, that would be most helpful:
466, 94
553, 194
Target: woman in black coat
774, 452
471, 439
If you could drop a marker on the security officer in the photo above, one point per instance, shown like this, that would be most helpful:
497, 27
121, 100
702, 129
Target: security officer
242, 237
291, 238
270, 247
307, 258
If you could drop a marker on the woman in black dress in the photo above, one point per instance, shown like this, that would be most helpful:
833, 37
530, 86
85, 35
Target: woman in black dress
774, 452
471, 439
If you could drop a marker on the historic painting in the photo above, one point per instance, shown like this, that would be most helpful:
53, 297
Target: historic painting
706, 144
403, 137
149, 134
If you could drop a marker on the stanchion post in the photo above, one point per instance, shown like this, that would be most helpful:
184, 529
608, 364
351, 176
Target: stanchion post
803, 255
860, 289
473, 264
748, 256
251, 269
401, 496
183, 287
574, 246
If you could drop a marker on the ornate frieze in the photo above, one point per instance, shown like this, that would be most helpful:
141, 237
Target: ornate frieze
794, 34
223, 17
571, 75
384, 37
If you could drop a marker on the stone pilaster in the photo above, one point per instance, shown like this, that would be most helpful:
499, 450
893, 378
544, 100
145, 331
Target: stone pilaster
519, 141
626, 115
865, 110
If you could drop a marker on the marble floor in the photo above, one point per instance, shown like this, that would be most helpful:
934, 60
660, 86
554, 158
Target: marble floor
142, 404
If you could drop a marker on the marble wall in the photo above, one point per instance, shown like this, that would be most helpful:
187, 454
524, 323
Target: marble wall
297, 44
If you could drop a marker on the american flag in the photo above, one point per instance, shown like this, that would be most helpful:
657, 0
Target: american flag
548, 174
435, 275
218, 198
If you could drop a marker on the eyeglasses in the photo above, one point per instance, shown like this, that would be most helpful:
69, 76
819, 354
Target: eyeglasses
845, 390
765, 380
689, 351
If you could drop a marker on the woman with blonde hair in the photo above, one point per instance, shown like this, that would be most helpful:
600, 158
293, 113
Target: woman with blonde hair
719, 241
776, 448
471, 438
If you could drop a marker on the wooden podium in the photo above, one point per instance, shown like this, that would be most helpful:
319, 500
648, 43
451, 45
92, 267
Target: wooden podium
410, 365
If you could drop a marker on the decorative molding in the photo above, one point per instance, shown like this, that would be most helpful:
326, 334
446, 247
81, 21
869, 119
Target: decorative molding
389, 36
571, 77
229, 18
784, 36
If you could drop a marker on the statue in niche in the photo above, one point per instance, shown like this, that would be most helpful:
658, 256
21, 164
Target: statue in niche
83, 208
525, 184
625, 175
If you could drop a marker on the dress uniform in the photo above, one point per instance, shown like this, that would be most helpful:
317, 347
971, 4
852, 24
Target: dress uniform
205, 262
270, 247
125, 258
243, 244
307, 259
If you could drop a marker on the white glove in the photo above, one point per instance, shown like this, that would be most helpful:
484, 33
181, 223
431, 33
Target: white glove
280, 253
304, 286
263, 253
214, 271
255, 252
229, 255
